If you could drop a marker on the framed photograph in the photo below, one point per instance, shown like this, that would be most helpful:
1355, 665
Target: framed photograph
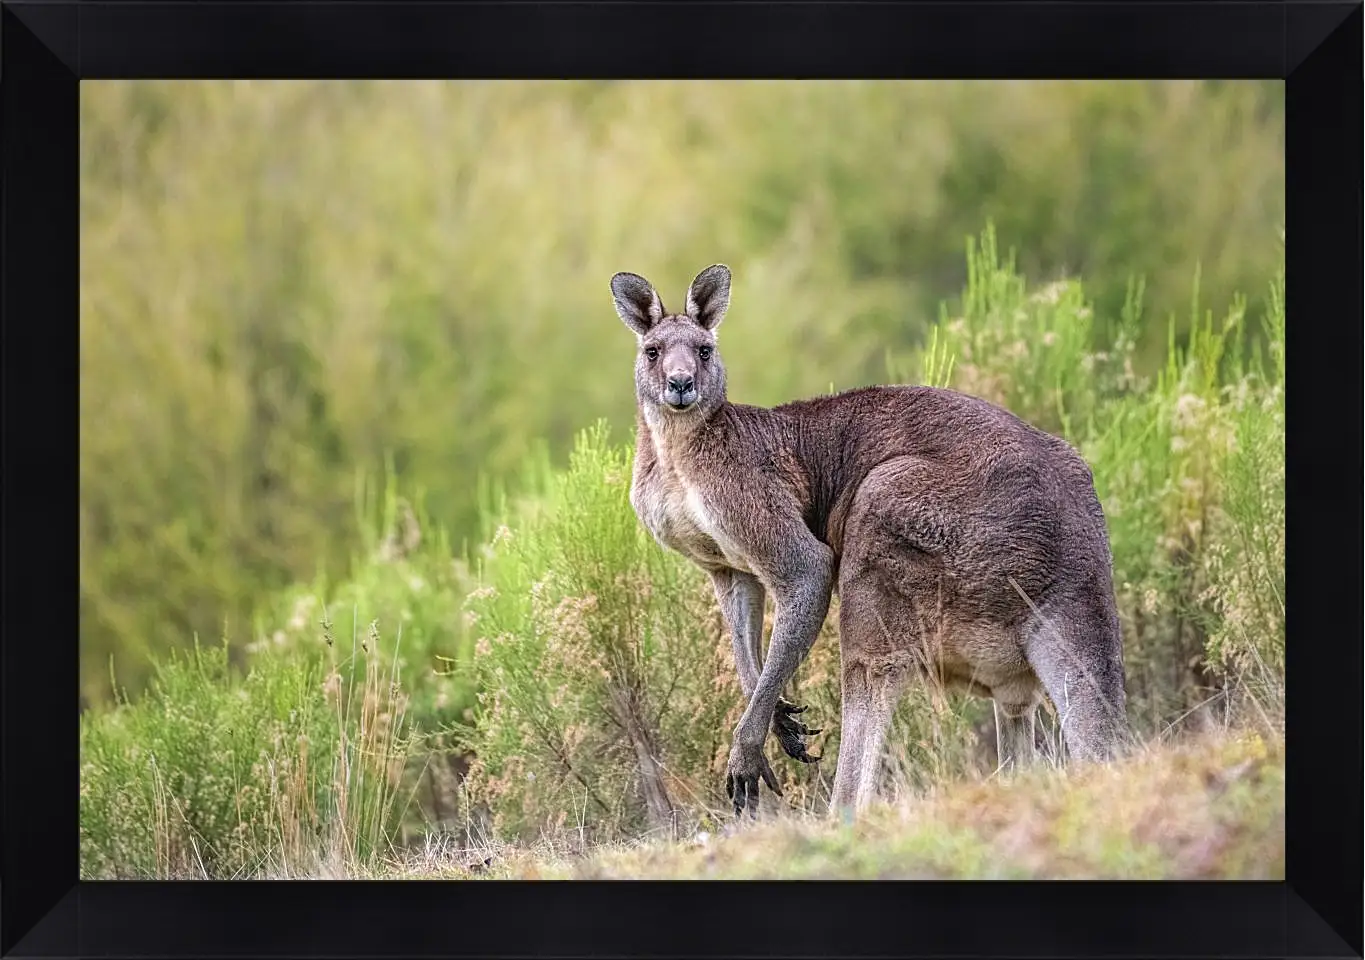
836, 451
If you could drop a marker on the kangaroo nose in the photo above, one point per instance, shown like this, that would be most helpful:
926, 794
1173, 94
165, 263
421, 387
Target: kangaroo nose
681, 383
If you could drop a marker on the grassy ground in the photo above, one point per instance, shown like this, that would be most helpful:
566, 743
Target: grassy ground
1208, 809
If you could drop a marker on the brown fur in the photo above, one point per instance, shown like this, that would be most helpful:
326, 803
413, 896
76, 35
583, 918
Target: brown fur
965, 544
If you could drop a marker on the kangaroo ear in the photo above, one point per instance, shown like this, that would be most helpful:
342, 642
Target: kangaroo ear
636, 302
709, 296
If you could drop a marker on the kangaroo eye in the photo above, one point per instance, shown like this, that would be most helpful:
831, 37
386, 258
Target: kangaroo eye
652, 353
704, 353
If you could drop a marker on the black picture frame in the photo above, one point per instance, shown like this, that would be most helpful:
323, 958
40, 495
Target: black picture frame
46, 48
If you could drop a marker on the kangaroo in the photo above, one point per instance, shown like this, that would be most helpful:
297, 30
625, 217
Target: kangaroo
965, 545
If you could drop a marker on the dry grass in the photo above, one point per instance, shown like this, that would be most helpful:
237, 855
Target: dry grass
1205, 809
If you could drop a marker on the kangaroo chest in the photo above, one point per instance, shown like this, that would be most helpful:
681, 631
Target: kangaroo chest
680, 517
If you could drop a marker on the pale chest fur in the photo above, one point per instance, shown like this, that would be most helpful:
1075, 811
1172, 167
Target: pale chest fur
679, 515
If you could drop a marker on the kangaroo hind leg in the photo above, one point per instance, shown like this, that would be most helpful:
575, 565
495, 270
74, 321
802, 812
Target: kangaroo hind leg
870, 698
875, 670
1075, 647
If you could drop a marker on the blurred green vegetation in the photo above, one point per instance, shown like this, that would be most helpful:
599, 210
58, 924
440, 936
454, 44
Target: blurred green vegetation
288, 285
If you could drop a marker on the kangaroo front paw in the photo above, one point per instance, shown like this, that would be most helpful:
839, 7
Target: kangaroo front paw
791, 733
747, 766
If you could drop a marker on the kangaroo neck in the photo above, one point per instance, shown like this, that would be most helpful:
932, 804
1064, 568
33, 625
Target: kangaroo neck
669, 436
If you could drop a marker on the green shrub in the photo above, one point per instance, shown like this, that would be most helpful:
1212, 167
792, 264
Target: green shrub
1245, 563
599, 662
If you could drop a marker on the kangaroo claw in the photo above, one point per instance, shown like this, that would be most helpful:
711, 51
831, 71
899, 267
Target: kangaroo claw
791, 732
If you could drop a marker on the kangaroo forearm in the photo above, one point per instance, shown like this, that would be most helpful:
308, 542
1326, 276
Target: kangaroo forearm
794, 631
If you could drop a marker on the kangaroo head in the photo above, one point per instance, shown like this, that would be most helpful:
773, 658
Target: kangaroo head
678, 372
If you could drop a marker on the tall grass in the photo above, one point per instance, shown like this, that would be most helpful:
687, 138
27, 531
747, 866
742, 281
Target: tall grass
296, 765
1244, 566
408, 577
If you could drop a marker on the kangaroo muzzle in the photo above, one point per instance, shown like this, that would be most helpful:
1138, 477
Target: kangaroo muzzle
680, 391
